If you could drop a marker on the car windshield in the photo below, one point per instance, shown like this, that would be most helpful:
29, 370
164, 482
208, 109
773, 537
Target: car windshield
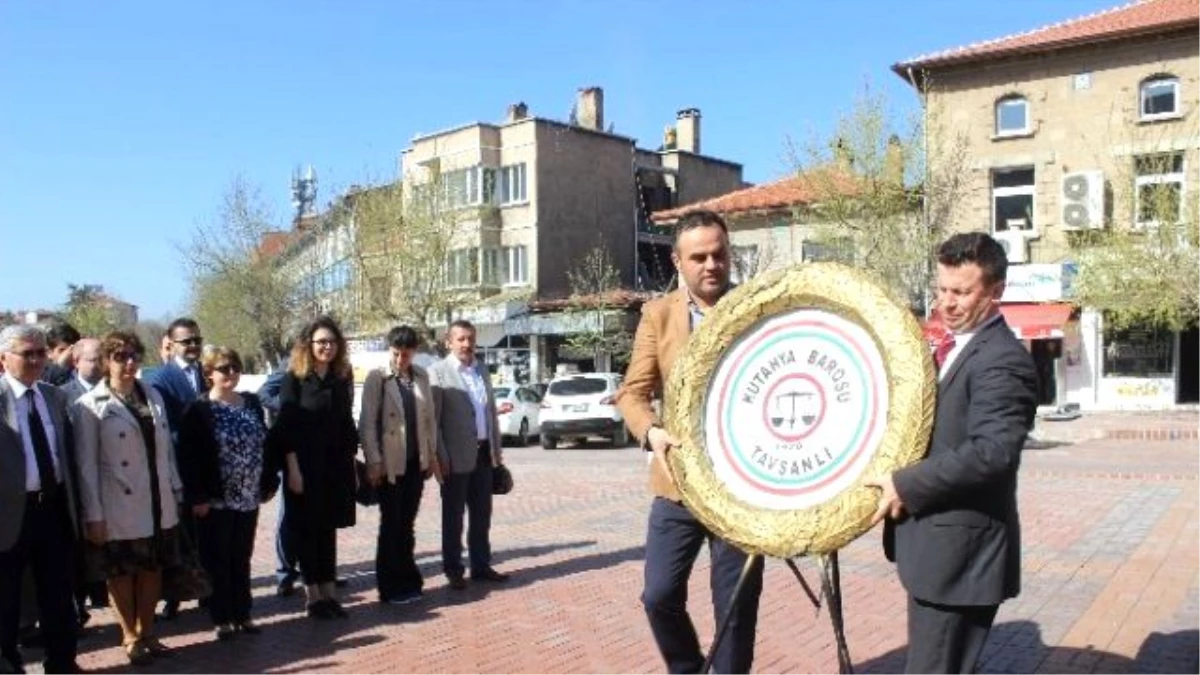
501, 392
578, 386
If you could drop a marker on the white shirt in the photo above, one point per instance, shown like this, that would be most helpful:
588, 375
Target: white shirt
33, 481
474, 380
190, 370
960, 343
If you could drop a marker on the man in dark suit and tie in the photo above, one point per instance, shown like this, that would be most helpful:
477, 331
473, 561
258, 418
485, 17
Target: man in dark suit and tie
952, 526
180, 381
37, 503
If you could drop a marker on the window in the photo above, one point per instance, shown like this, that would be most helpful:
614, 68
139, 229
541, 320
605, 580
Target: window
1159, 97
512, 184
1012, 199
838, 250
466, 187
1139, 352
1012, 116
508, 266
1158, 192
745, 263
462, 269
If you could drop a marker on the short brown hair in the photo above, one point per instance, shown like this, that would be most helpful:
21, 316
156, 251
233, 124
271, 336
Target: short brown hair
118, 340
215, 356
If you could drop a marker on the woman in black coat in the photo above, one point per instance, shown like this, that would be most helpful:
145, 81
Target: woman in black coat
316, 438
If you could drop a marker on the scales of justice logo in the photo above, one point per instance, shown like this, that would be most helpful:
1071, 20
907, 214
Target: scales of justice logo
795, 409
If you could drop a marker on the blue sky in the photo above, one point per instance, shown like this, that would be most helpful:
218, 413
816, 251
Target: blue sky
123, 123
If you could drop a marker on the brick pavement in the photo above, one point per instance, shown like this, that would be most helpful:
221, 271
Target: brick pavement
1110, 583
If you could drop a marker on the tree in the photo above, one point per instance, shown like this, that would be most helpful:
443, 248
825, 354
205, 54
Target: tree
88, 311
404, 234
1145, 271
594, 309
237, 297
882, 194
150, 332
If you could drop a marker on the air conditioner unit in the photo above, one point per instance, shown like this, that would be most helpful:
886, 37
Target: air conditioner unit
1015, 244
1083, 200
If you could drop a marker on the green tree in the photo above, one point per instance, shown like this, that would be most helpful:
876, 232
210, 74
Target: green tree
87, 309
237, 296
878, 202
594, 309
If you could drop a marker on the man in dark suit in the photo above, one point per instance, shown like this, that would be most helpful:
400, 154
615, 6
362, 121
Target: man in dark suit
37, 502
60, 341
952, 525
180, 381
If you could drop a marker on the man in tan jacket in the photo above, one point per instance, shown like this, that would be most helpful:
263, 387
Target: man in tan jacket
674, 537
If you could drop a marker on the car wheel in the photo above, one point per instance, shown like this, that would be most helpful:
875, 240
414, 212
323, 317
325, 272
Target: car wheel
621, 438
523, 434
549, 442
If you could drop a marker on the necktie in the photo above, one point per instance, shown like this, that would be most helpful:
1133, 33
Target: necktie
41, 446
943, 350
194, 376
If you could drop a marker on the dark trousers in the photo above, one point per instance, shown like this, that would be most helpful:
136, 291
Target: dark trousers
316, 547
673, 541
285, 550
395, 567
474, 492
946, 638
44, 545
226, 545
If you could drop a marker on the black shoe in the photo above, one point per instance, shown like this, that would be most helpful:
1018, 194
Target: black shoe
248, 627
341, 583
224, 632
170, 610
336, 609
31, 637
286, 588
319, 610
489, 574
457, 582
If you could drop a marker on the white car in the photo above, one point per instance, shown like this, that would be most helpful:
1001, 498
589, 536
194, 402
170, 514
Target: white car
582, 405
519, 410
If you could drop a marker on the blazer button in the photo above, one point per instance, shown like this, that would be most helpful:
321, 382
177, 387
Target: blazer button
121, 435
124, 462
128, 491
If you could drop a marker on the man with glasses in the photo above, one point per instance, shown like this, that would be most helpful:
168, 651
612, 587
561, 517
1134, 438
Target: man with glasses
37, 502
180, 381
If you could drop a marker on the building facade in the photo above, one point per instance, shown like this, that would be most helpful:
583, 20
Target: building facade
1073, 127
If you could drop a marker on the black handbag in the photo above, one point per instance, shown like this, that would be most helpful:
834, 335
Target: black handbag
365, 493
502, 480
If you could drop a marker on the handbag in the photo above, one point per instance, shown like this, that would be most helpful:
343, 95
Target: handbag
502, 480
364, 493
186, 580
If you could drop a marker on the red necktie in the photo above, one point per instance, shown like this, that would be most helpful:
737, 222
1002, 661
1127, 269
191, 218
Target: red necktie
943, 350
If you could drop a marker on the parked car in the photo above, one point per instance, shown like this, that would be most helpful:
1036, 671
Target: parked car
519, 410
582, 405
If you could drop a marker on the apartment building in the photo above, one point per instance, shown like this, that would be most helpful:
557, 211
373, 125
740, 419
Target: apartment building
1071, 127
536, 195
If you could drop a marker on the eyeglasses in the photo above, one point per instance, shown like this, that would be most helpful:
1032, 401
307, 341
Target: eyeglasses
190, 342
227, 369
325, 343
125, 357
31, 354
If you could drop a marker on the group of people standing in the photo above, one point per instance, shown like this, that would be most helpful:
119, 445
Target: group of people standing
138, 476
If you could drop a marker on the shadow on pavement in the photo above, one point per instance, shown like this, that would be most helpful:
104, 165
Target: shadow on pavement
1017, 647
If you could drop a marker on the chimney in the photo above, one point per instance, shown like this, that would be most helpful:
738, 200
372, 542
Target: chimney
893, 161
687, 130
590, 108
517, 111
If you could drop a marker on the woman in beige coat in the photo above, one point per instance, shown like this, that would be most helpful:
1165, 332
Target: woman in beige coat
129, 489
397, 429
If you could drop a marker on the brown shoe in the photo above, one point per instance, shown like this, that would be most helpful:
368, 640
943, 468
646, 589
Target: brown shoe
457, 582
489, 574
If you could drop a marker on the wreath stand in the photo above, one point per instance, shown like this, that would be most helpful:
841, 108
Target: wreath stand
831, 592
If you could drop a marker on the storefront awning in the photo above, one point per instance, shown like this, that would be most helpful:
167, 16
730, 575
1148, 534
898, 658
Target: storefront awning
1029, 321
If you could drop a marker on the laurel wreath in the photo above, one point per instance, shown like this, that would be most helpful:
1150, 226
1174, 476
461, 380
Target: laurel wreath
912, 389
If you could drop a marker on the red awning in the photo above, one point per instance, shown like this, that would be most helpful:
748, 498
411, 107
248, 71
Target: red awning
1030, 321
